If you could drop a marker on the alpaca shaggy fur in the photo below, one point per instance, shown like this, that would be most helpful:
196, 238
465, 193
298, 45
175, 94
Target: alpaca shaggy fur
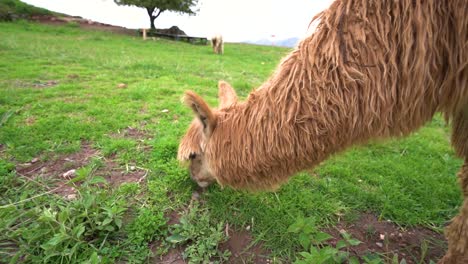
372, 69
217, 44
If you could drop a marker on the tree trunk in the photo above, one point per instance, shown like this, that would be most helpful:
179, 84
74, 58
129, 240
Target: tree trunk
153, 17
150, 11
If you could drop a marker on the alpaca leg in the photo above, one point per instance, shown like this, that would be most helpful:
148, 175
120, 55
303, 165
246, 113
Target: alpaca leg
457, 231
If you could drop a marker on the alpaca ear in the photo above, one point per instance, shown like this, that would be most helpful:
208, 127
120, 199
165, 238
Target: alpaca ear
201, 110
227, 95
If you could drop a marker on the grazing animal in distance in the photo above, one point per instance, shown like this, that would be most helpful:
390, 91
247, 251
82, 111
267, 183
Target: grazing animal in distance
217, 44
371, 69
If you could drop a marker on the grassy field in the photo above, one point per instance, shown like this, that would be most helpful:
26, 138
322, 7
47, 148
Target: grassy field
108, 106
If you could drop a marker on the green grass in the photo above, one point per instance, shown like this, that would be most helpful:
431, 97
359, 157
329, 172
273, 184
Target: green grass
410, 181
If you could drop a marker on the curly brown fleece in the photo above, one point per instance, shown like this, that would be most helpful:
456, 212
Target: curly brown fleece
371, 69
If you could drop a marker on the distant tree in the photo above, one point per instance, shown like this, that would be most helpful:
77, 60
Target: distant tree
156, 7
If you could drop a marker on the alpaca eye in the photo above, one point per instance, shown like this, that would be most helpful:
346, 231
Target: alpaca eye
192, 156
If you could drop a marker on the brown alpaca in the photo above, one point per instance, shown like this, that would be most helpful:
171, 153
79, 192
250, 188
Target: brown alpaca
217, 44
372, 69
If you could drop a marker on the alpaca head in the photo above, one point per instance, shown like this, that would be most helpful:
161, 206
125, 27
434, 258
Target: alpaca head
192, 147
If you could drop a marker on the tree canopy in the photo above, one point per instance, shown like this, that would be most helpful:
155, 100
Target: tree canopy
156, 7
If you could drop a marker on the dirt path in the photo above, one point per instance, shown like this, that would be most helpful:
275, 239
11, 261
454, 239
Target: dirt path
84, 23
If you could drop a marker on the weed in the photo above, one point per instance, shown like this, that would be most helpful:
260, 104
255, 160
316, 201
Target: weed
147, 226
370, 231
53, 230
200, 235
308, 232
313, 240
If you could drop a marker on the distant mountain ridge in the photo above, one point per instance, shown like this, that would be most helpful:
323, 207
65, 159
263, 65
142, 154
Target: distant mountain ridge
289, 42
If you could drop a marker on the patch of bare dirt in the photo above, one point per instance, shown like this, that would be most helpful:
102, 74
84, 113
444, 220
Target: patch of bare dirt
139, 135
387, 238
30, 120
73, 76
133, 133
115, 175
45, 84
62, 169
239, 244
174, 217
56, 167
36, 84
242, 250
144, 109
174, 256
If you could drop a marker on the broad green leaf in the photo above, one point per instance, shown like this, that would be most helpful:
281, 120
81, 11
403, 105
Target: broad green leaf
354, 242
118, 222
63, 215
297, 226
371, 258
321, 237
106, 221
97, 180
94, 259
81, 174
341, 244
309, 229
109, 228
304, 240
54, 241
176, 238
88, 200
353, 260
78, 230
345, 235
341, 256
329, 250
48, 214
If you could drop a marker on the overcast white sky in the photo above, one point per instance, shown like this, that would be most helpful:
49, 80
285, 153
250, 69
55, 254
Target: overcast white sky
236, 20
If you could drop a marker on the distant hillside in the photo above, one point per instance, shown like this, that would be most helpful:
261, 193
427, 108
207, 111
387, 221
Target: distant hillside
14, 9
11, 10
289, 42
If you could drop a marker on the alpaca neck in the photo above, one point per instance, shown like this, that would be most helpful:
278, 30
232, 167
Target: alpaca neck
355, 78
283, 127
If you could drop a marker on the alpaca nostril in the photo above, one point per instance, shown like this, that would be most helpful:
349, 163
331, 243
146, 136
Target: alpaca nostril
192, 156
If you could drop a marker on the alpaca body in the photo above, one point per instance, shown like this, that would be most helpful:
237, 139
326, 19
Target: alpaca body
372, 69
217, 44
317, 103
